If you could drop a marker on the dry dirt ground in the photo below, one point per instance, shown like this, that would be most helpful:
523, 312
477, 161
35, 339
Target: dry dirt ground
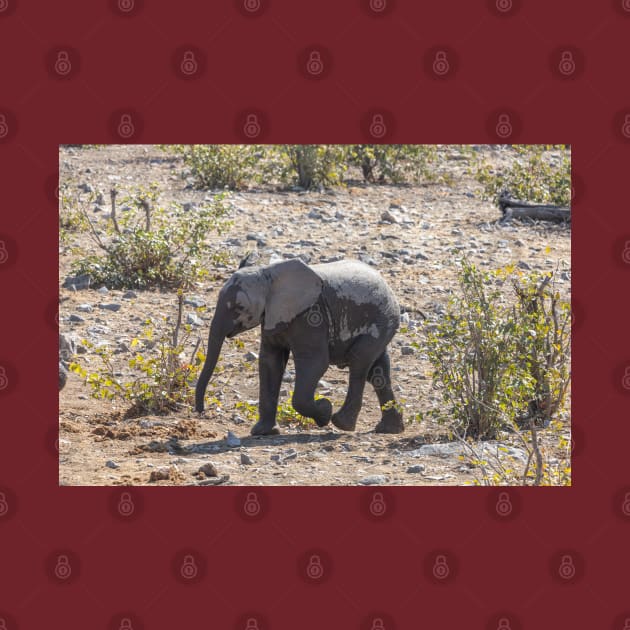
98, 447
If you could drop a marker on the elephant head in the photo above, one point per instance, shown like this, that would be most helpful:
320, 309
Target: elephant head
272, 295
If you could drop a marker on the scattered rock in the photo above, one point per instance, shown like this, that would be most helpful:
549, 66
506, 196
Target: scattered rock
483, 449
373, 480
194, 301
407, 350
130, 295
112, 464
389, 217
280, 458
77, 283
232, 440
367, 259
246, 460
77, 319
110, 306
194, 319
524, 265
63, 375
161, 474
259, 237
251, 356
209, 470
213, 481
85, 308
85, 187
103, 290
418, 468
67, 347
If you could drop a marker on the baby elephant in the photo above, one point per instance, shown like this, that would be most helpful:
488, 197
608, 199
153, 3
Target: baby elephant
341, 313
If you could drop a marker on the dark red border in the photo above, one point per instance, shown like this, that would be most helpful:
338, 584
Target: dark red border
501, 59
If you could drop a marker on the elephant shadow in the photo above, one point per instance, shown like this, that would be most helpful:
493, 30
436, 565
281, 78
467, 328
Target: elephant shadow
255, 442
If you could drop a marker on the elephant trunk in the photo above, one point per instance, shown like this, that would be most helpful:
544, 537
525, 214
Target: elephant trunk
215, 342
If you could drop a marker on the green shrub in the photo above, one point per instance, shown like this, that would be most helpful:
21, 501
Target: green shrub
218, 166
501, 364
160, 383
535, 176
543, 345
308, 166
170, 249
393, 163
71, 219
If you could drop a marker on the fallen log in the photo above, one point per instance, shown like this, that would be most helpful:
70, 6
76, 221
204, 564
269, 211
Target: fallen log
519, 209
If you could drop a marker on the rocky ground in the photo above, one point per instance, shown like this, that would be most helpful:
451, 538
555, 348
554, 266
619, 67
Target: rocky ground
409, 233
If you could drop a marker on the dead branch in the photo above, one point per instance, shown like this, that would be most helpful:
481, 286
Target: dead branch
144, 202
112, 193
519, 209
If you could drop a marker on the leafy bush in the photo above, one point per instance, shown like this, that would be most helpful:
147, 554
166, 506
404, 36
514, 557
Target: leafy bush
543, 345
285, 414
169, 251
548, 463
536, 176
499, 364
162, 383
71, 219
316, 164
395, 163
215, 166
308, 166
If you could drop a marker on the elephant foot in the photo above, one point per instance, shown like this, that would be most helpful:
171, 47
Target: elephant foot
264, 428
391, 422
324, 412
344, 421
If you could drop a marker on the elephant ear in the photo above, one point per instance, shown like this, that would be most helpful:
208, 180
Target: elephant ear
294, 288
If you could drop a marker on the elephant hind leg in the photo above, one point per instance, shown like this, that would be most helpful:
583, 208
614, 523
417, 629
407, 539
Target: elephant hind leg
379, 375
308, 371
360, 357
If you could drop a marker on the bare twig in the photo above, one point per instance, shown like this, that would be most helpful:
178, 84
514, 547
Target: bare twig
537, 453
194, 352
95, 237
112, 193
144, 202
178, 323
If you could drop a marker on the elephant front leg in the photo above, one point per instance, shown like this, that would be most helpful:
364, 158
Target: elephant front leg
308, 371
271, 363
